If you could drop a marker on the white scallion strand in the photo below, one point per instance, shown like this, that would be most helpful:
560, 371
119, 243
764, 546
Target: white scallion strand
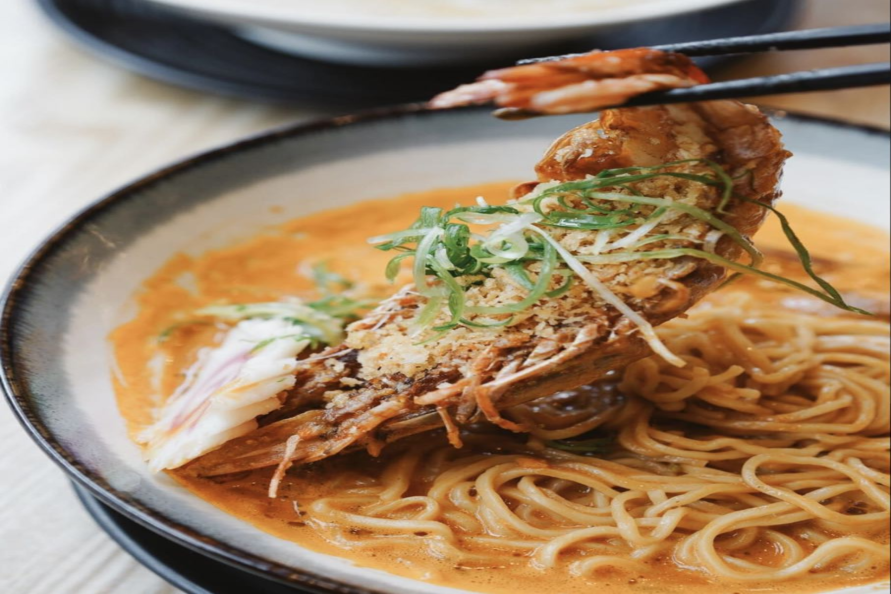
601, 241
510, 234
711, 241
420, 264
646, 329
442, 258
398, 235
639, 233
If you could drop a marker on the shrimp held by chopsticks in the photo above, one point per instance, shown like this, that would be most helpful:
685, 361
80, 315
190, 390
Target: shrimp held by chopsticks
633, 219
577, 84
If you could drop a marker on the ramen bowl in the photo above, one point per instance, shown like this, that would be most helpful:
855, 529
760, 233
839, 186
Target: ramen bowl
410, 33
58, 311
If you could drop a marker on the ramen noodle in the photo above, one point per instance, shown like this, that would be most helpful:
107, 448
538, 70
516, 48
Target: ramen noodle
760, 465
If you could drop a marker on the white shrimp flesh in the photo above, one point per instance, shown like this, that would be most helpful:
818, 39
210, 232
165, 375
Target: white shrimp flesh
227, 389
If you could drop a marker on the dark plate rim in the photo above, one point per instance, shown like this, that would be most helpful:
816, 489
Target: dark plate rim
109, 52
103, 516
187, 570
19, 285
176, 74
158, 70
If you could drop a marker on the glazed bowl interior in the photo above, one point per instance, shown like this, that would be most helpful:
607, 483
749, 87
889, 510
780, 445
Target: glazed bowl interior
80, 284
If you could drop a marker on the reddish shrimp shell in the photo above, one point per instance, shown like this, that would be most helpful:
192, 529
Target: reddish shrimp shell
575, 84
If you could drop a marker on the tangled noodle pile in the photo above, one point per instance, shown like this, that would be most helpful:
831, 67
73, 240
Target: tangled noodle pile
765, 458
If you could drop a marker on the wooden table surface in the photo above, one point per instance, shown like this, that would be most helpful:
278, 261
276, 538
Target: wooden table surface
73, 128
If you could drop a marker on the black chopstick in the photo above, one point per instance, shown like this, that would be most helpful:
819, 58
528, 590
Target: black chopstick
828, 79
793, 40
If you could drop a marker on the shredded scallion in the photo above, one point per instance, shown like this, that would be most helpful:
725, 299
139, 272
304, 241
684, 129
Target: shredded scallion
521, 242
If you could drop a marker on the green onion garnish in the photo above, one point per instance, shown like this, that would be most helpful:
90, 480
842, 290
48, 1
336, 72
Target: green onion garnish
335, 301
300, 338
317, 322
168, 332
312, 323
520, 242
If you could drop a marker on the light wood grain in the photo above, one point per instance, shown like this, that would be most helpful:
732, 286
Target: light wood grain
74, 128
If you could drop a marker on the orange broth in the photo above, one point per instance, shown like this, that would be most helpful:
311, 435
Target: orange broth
266, 268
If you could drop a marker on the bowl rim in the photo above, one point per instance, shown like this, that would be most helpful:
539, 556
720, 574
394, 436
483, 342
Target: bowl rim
19, 285
281, 15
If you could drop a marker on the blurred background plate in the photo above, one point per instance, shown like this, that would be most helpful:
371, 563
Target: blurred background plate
445, 15
429, 32
167, 45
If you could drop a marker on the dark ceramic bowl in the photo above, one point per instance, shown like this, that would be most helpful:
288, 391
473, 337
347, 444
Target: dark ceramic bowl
59, 309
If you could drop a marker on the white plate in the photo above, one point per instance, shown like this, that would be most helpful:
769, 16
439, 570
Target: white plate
393, 39
80, 284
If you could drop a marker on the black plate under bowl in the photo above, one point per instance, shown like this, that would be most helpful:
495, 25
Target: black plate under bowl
167, 46
189, 571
